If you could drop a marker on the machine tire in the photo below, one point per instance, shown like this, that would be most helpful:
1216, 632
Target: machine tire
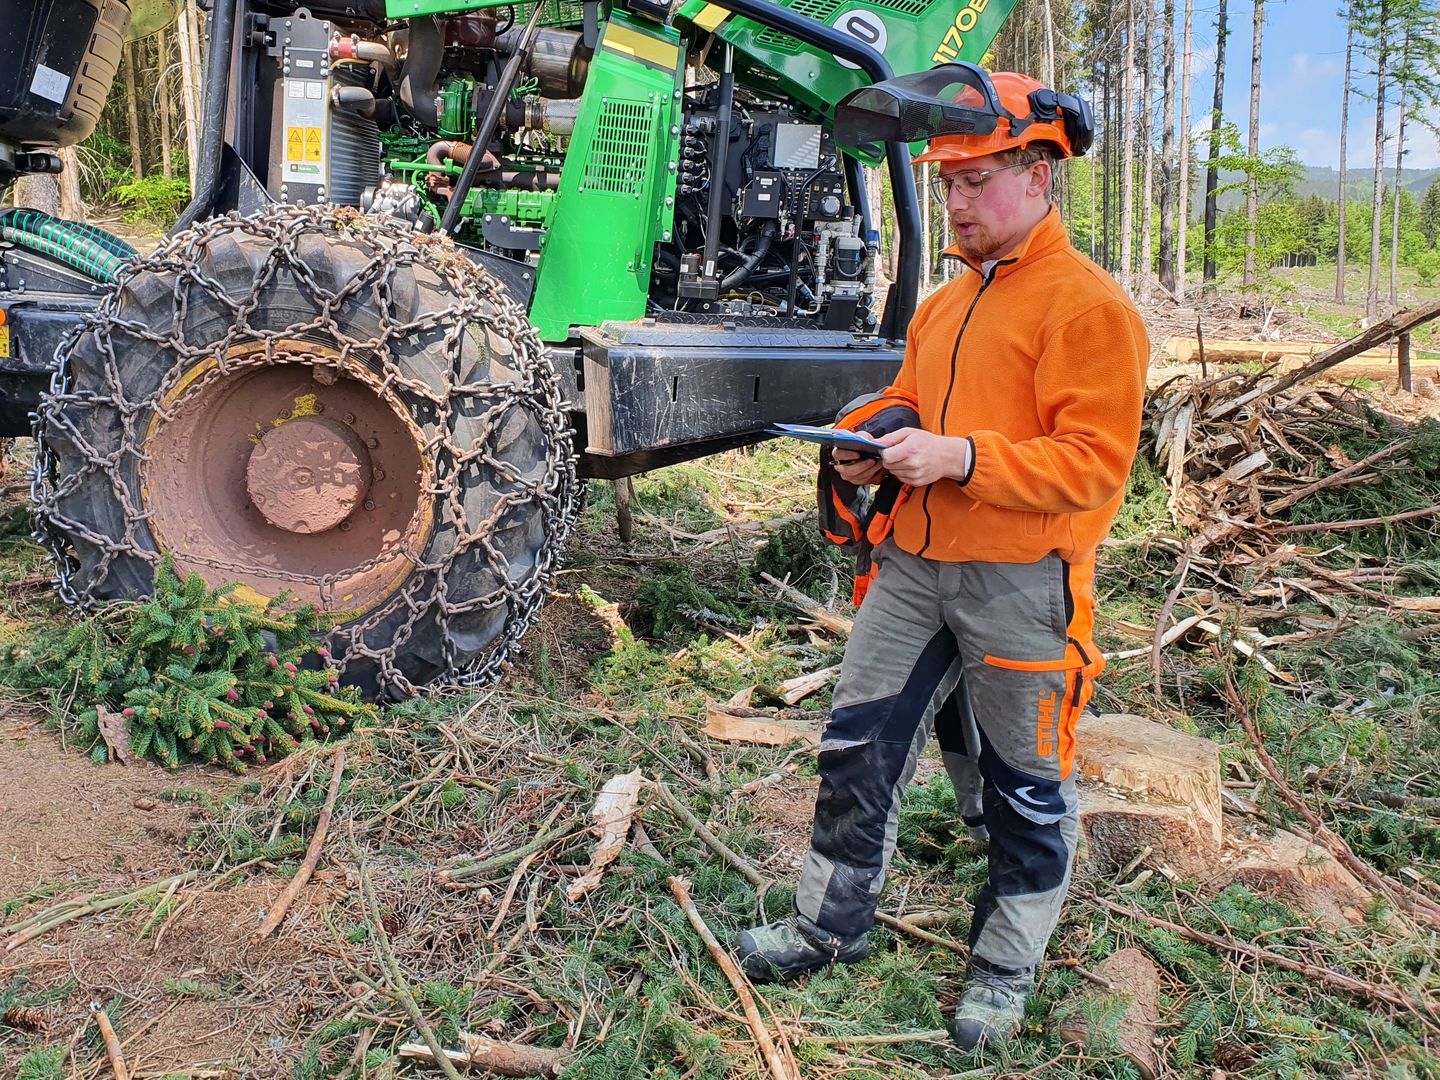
165, 396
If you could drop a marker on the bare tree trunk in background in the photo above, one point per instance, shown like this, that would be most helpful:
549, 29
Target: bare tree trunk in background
162, 48
132, 112
1252, 183
1399, 161
1344, 130
1048, 71
72, 206
1182, 231
922, 187
1167, 150
1212, 169
1372, 291
38, 192
1127, 166
189, 70
1147, 140
1107, 159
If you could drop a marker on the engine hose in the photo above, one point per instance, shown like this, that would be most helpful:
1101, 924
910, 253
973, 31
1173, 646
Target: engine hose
92, 251
422, 68
749, 262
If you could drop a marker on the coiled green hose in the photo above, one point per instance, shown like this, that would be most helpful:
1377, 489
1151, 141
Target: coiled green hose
83, 247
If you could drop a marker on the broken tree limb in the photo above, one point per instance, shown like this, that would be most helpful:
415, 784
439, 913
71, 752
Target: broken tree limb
500, 1058
1400, 323
698, 827
1406, 898
1159, 642
394, 977
1334, 479
779, 1068
1389, 995
817, 612
276, 914
1361, 523
613, 812
113, 1052
60, 914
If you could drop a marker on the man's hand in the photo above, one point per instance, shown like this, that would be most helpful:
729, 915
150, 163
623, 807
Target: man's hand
856, 468
917, 457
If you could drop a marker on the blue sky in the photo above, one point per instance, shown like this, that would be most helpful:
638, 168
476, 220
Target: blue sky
1302, 68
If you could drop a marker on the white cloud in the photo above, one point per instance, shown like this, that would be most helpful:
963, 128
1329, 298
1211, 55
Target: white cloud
1304, 66
1316, 146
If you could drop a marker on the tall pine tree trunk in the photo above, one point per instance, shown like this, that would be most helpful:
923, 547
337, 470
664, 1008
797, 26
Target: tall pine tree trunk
1127, 166
1252, 182
1343, 197
132, 112
1372, 291
1395, 193
1147, 140
922, 186
1167, 151
1212, 169
1182, 231
162, 50
189, 78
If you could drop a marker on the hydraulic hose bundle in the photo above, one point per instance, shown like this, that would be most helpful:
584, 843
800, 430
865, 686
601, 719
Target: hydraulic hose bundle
83, 247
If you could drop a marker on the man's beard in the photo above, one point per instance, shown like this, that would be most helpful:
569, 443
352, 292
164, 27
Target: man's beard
979, 246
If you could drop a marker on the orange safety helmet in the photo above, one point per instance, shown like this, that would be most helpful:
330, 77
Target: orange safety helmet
988, 114
1023, 120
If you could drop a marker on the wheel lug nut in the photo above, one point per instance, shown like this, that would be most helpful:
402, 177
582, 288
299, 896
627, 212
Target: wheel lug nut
369, 504
379, 474
344, 526
349, 417
284, 414
372, 443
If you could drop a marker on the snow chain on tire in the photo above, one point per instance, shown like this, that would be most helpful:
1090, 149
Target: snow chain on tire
399, 315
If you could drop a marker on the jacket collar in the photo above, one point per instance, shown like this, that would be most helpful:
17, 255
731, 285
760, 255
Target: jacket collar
1047, 237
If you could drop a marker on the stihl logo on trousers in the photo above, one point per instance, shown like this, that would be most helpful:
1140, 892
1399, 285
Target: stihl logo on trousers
1045, 722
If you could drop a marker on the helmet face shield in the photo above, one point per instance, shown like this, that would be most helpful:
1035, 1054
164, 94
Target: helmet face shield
914, 108
957, 108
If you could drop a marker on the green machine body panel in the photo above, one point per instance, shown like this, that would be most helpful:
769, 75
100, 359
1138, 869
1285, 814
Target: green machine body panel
617, 186
560, 11
913, 35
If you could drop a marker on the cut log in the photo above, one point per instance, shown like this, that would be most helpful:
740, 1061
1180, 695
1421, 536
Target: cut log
1155, 762
1138, 979
1116, 827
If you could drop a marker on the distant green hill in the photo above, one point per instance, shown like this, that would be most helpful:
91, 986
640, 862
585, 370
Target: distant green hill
1324, 181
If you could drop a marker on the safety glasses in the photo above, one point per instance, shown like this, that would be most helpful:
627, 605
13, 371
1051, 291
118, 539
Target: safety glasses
969, 182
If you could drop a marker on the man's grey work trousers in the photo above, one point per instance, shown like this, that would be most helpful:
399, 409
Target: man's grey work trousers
982, 652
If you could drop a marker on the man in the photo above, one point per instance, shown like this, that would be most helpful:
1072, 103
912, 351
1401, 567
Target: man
1028, 376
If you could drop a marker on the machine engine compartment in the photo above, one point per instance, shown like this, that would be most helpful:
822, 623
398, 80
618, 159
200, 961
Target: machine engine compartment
382, 115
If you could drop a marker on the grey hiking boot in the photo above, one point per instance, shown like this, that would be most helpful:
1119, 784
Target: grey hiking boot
992, 1005
781, 950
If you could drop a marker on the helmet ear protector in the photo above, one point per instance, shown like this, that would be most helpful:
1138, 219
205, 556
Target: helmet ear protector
921, 106
1071, 109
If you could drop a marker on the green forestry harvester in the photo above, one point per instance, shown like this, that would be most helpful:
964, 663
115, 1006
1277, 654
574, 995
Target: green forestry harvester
661, 244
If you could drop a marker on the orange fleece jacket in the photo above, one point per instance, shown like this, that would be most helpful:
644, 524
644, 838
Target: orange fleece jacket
1042, 366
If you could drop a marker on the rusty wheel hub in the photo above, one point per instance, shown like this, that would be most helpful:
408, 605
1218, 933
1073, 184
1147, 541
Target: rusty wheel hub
309, 475
288, 477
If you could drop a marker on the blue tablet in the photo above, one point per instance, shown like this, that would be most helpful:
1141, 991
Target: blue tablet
832, 437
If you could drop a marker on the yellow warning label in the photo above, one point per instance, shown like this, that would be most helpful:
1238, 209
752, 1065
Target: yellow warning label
312, 144
294, 144
4, 343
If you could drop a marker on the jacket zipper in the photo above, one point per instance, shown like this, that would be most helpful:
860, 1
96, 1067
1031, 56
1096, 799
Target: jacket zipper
950, 389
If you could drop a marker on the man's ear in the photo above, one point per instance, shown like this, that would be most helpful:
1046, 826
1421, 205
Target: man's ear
1039, 184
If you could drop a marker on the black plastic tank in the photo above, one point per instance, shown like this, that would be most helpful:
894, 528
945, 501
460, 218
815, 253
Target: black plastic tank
57, 61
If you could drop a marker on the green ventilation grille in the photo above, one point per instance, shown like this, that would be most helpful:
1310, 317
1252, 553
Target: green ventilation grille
618, 158
823, 10
556, 13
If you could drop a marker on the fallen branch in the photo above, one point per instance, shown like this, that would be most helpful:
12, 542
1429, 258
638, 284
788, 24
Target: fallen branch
818, 613
394, 977
60, 914
500, 1058
1360, 523
505, 860
923, 935
1334, 479
779, 1069
1159, 642
1426, 1010
698, 827
1379, 334
276, 915
1406, 898
112, 1042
